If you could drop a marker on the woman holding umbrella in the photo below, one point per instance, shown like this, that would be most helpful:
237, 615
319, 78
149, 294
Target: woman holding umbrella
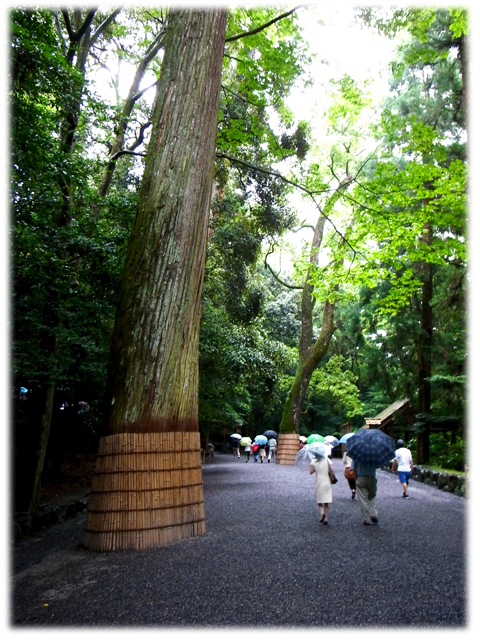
323, 486
261, 441
247, 443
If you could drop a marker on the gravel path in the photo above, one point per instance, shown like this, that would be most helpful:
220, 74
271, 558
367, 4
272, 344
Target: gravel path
266, 557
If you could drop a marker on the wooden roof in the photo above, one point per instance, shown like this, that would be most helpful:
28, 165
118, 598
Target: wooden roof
387, 414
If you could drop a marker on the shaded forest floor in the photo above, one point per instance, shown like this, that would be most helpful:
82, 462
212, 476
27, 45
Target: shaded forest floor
72, 481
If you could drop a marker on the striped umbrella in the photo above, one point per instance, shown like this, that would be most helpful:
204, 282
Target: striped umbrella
314, 437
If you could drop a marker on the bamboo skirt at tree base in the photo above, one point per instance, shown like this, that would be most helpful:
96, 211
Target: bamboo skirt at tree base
288, 446
147, 491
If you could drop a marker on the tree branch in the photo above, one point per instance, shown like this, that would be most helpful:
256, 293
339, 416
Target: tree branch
126, 152
101, 28
67, 23
60, 34
225, 89
263, 26
276, 276
140, 93
87, 22
140, 138
291, 182
225, 55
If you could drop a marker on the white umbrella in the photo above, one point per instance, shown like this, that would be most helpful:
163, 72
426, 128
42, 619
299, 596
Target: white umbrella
304, 457
332, 441
236, 435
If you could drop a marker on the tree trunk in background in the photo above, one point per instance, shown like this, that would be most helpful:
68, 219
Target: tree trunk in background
45, 426
147, 489
153, 383
310, 355
305, 367
424, 356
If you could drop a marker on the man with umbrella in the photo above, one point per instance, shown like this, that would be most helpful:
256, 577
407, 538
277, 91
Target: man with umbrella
235, 440
272, 443
366, 484
369, 449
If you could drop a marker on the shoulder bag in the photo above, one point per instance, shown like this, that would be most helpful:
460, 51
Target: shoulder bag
331, 475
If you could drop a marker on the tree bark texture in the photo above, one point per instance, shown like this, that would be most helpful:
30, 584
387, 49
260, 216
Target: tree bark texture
309, 354
306, 364
153, 374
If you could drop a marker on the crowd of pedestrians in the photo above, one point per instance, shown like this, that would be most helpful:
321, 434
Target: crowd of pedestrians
361, 478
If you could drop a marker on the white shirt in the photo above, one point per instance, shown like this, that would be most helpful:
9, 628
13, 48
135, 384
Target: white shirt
403, 458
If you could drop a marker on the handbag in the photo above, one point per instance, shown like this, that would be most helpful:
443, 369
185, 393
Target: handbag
350, 474
331, 475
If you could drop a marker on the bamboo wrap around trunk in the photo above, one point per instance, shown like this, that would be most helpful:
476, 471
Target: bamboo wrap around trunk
287, 449
147, 491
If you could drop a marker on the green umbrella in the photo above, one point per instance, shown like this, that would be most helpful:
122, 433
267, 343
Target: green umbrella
244, 441
314, 437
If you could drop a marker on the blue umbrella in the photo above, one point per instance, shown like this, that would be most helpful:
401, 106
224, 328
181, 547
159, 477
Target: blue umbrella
344, 438
260, 440
371, 448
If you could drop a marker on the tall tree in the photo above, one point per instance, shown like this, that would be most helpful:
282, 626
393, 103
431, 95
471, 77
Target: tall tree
426, 119
153, 384
328, 180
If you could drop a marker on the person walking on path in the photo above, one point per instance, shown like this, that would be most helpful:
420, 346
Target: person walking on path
236, 447
366, 484
255, 449
272, 447
247, 452
262, 452
349, 474
323, 486
404, 463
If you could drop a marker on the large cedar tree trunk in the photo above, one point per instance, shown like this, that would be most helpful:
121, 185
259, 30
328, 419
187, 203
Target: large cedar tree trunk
147, 489
153, 375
